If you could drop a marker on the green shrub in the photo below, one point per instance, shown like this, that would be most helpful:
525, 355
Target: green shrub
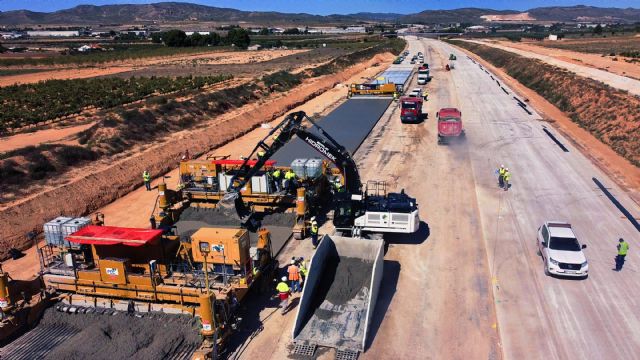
72, 155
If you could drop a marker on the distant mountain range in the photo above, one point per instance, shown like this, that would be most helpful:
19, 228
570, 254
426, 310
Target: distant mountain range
168, 12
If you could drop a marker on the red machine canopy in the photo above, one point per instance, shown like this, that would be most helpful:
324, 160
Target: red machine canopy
113, 235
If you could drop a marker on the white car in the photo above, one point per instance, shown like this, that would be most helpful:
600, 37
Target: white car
561, 252
416, 92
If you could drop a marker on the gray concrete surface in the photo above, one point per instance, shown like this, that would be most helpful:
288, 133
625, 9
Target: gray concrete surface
611, 79
542, 317
349, 124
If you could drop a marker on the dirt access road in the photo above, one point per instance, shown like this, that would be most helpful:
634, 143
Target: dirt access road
611, 79
541, 317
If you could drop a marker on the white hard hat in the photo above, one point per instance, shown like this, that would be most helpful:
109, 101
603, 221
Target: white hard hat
284, 278
313, 218
293, 262
501, 166
507, 169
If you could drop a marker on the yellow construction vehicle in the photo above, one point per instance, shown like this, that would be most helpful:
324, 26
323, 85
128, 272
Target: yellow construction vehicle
21, 304
206, 276
388, 89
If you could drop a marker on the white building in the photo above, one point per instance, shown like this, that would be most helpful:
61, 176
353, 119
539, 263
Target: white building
477, 29
53, 33
189, 33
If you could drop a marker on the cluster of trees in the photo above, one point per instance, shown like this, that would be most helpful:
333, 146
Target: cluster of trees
31, 104
178, 38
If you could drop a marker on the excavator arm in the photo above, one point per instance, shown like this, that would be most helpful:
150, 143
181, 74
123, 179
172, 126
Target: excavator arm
277, 138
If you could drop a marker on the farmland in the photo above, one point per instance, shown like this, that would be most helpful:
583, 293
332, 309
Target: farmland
33, 104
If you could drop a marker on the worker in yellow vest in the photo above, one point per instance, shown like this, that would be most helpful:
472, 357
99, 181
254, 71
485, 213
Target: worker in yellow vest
146, 177
277, 181
500, 172
290, 180
314, 232
283, 294
507, 179
623, 249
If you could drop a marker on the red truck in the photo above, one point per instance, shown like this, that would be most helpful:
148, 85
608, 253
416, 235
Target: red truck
410, 109
449, 125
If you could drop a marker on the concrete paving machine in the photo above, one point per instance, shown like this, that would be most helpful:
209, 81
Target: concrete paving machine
206, 274
387, 89
356, 211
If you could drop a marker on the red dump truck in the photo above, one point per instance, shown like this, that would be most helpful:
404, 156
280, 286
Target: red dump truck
410, 109
449, 125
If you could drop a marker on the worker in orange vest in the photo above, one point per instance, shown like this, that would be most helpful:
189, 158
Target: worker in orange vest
294, 276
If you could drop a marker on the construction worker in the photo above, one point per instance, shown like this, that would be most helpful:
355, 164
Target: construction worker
261, 154
500, 173
303, 271
506, 178
146, 177
290, 180
294, 276
623, 248
314, 232
276, 176
283, 294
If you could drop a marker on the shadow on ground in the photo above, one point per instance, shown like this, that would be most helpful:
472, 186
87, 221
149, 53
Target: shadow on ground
390, 275
416, 238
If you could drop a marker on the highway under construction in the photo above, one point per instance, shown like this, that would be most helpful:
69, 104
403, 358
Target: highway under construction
450, 269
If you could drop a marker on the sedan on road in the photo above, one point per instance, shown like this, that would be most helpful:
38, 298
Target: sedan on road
560, 250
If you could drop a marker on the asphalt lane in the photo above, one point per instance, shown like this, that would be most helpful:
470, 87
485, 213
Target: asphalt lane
541, 317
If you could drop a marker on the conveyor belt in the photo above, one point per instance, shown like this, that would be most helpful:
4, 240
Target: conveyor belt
349, 124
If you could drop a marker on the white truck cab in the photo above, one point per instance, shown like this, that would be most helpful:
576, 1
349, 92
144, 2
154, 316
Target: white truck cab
416, 92
560, 250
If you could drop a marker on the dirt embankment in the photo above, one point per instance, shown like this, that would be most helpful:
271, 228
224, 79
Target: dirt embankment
98, 187
611, 115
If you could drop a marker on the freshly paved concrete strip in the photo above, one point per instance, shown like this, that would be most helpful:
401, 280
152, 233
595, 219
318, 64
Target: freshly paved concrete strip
349, 124
541, 316
611, 79
393, 76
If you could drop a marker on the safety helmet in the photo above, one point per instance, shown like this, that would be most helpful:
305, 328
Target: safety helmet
313, 218
507, 169
501, 166
284, 278
293, 262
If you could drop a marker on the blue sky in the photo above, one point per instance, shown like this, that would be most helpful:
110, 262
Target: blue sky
324, 7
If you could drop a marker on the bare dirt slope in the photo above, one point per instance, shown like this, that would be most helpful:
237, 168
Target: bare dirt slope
542, 317
611, 79
39, 137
